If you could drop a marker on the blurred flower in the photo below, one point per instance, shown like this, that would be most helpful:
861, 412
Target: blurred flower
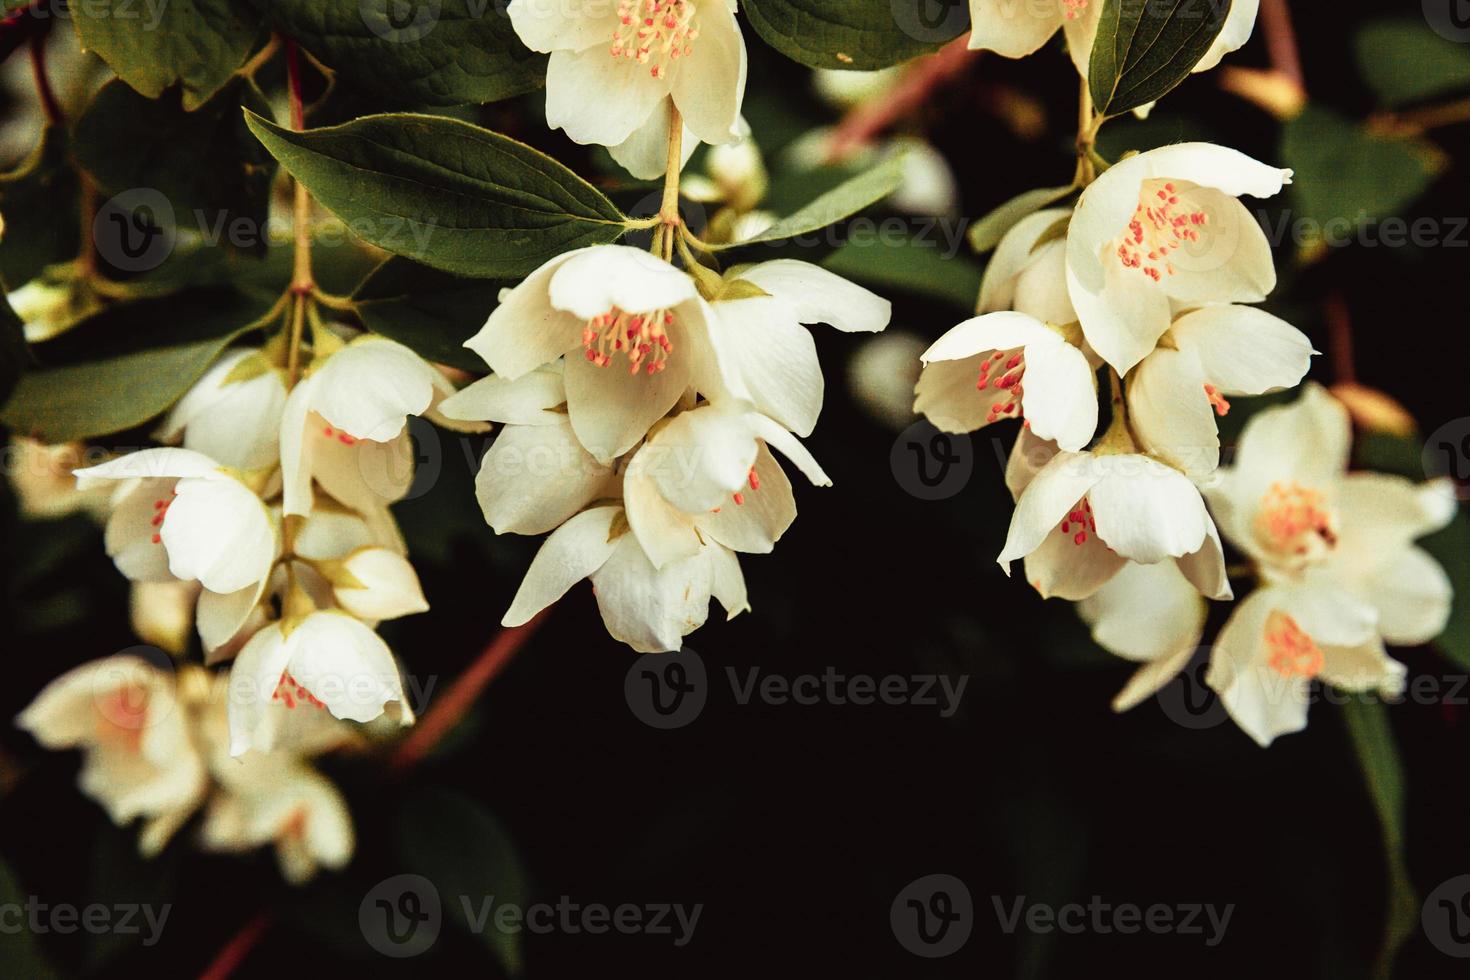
162, 613
44, 484
1151, 615
882, 375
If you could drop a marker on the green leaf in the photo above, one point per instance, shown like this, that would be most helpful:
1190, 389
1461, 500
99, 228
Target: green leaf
213, 172
126, 365
446, 193
843, 201
451, 52
920, 267
1348, 176
1383, 771
1386, 48
39, 204
986, 233
860, 35
458, 845
194, 43
1144, 48
1451, 548
430, 311
19, 952
14, 354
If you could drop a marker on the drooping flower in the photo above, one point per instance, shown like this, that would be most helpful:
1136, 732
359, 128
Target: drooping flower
1208, 356
1029, 275
233, 413
616, 68
1151, 615
1161, 231
1009, 366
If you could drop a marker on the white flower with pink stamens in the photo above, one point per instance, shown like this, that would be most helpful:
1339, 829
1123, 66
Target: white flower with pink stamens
1162, 231
618, 65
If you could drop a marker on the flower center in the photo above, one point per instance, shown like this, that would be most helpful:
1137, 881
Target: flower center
289, 691
160, 510
1081, 518
1160, 225
655, 32
1222, 407
1289, 650
1006, 379
1296, 521
642, 337
122, 716
1074, 8
738, 496
339, 435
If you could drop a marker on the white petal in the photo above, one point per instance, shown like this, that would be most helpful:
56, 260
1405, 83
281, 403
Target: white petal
1012, 28
652, 609
1014, 253
611, 409
254, 678
645, 153
819, 296
1062, 569
371, 386
1171, 413
790, 447
1060, 402
548, 27
946, 395
1122, 314
151, 464
1413, 595
1308, 441
727, 582
758, 522
991, 332
1231, 261
218, 532
1243, 350
597, 98
573, 552
132, 527
701, 457
1237, 30
1205, 568
535, 477
776, 358
1262, 702
665, 533
618, 277
345, 665
528, 400
1149, 614
1146, 511
364, 475
708, 85
221, 616
1052, 493
525, 331
385, 586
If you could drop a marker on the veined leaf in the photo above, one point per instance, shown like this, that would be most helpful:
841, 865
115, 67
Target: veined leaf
446, 193
194, 43
430, 311
1144, 48
451, 52
842, 201
858, 35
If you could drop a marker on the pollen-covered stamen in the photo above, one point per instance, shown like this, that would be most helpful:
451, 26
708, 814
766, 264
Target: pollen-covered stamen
1080, 518
160, 511
1295, 520
655, 32
642, 337
1289, 650
122, 715
339, 435
1217, 400
289, 691
1074, 8
1161, 224
1003, 372
755, 484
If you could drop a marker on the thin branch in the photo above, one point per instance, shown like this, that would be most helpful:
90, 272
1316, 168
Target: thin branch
1340, 338
1281, 41
228, 959
50, 107
927, 75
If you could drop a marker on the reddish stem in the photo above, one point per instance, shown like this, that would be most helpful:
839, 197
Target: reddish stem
228, 960
49, 104
1340, 334
1281, 41
293, 82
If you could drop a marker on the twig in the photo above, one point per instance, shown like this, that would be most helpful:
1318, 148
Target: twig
1340, 335
869, 120
1281, 41
228, 959
50, 107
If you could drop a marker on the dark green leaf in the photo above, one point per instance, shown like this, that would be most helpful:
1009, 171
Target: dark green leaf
430, 311
1383, 771
445, 193
843, 201
20, 954
922, 267
1144, 48
1451, 547
1347, 176
126, 365
14, 355
39, 204
213, 172
451, 52
459, 846
986, 233
856, 34
1387, 48
194, 43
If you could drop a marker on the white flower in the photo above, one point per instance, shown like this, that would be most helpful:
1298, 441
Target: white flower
44, 482
1083, 516
1016, 28
882, 375
1163, 230
1008, 366
345, 425
278, 799
765, 353
1149, 614
375, 583
327, 661
233, 413
708, 476
139, 758
650, 609
1207, 356
1028, 275
616, 67
633, 328
162, 613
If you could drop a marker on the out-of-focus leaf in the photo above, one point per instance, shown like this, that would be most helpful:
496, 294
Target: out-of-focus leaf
1144, 49
445, 193
126, 365
843, 201
1383, 771
860, 35
430, 311
1451, 548
39, 200
20, 954
1348, 176
197, 44
925, 268
120, 875
1404, 61
14, 355
986, 233
450, 52
458, 845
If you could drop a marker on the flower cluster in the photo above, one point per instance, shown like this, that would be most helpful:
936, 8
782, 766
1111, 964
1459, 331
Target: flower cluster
640, 406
